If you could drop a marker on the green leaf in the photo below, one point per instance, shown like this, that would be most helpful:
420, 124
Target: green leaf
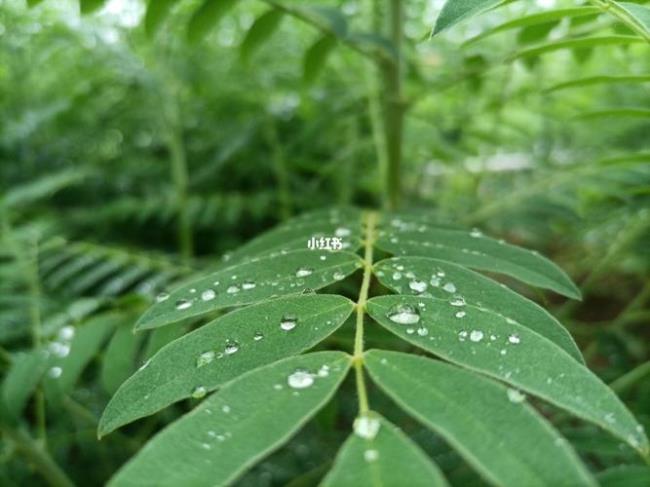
535, 19
430, 277
388, 459
473, 249
639, 13
316, 56
625, 476
328, 19
207, 16
234, 428
630, 112
89, 6
251, 282
119, 360
157, 11
260, 32
597, 80
498, 346
575, 44
456, 10
223, 349
23, 377
503, 438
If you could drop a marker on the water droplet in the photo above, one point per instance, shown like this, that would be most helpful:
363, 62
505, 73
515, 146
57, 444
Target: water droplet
225, 408
370, 455
300, 379
342, 232
476, 336
410, 331
163, 296
476, 233
397, 276
193, 291
324, 371
288, 322
435, 281
366, 427
232, 290
418, 286
66, 333
449, 287
462, 335
199, 392
609, 418
338, 276
248, 285
460, 314
404, 314
208, 295
231, 347
206, 446
423, 332
304, 272
55, 372
457, 300
514, 339
205, 358
515, 396
183, 304
258, 336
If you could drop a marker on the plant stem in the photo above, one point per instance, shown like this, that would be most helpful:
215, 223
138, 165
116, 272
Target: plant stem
394, 105
179, 177
632, 377
370, 221
39, 457
280, 169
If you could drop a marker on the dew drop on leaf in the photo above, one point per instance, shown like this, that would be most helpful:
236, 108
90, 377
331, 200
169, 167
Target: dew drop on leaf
55, 372
258, 336
366, 427
370, 455
423, 332
231, 347
457, 300
304, 272
418, 286
199, 392
248, 285
300, 379
339, 276
450, 287
514, 339
163, 296
288, 322
232, 290
342, 232
183, 304
476, 335
403, 314
515, 396
205, 358
460, 314
208, 295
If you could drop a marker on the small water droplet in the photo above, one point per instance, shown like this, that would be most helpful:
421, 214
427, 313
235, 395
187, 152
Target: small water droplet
423, 332
449, 287
183, 304
460, 314
370, 455
208, 295
435, 281
199, 392
232, 290
476, 233
288, 322
457, 300
55, 372
514, 339
205, 358
462, 335
258, 336
609, 418
397, 276
162, 296
418, 286
515, 396
404, 314
231, 347
304, 272
225, 408
476, 336
338, 276
366, 427
324, 371
248, 285
300, 379
342, 232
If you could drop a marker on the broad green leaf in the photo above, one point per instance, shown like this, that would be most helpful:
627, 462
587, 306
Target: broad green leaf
389, 458
597, 80
160, 337
625, 476
493, 344
207, 16
576, 44
475, 250
118, 362
316, 56
21, 380
223, 349
491, 426
454, 11
157, 11
535, 19
260, 32
423, 276
639, 13
235, 427
89, 6
251, 282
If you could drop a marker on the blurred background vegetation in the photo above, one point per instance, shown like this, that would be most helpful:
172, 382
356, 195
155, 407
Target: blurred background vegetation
131, 160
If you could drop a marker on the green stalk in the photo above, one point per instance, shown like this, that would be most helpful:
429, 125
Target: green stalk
280, 169
180, 179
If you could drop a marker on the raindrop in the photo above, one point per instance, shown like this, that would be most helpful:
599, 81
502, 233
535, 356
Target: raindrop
342, 232
515, 396
457, 301
248, 285
423, 332
366, 427
338, 276
288, 322
304, 272
205, 358
55, 372
300, 379
476, 233
418, 286
324, 371
462, 335
163, 296
199, 392
370, 455
231, 347
208, 295
66, 333
225, 408
397, 276
460, 314
476, 336
193, 291
258, 336
404, 314
449, 287
232, 290
183, 304
609, 418
435, 281
514, 339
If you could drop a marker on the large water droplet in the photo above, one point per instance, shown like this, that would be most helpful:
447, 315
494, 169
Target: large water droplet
205, 358
258, 336
208, 295
457, 301
366, 427
199, 392
232, 290
460, 314
183, 304
476, 233
231, 347
435, 281
304, 272
248, 285
450, 287
163, 296
403, 314
462, 335
516, 396
418, 286
370, 455
338, 276
476, 335
66, 333
300, 379
423, 332
288, 322
514, 339
55, 372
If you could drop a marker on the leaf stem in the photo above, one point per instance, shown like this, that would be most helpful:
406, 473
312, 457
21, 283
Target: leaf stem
369, 221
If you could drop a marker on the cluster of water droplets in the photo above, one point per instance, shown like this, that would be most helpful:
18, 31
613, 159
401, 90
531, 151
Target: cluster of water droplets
302, 378
60, 347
